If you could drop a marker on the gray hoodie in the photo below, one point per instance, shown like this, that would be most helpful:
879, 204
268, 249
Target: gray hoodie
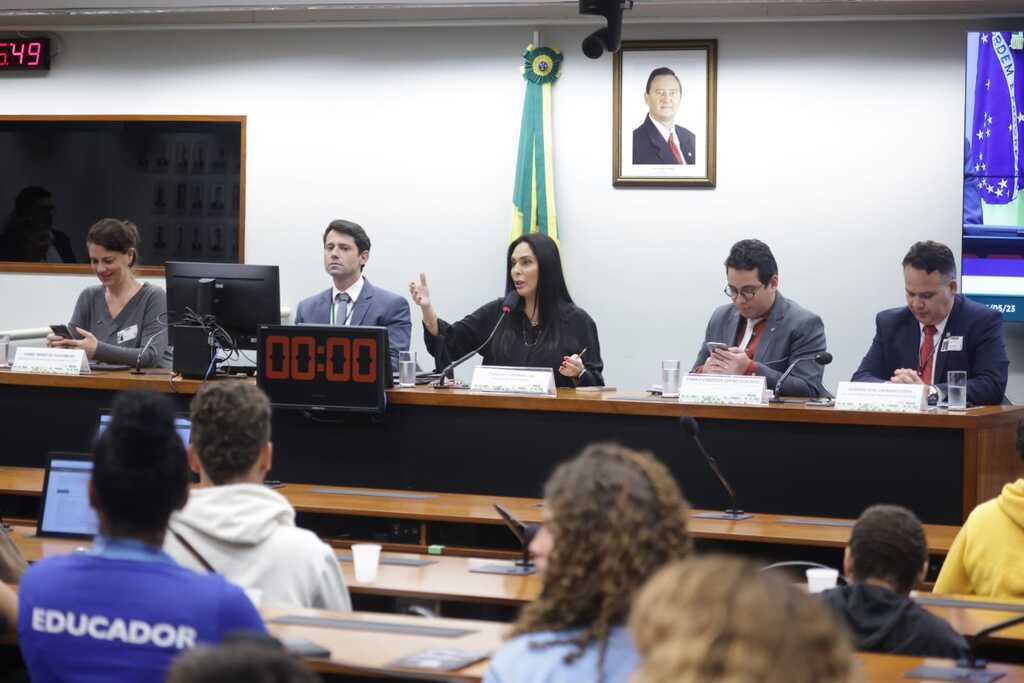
247, 533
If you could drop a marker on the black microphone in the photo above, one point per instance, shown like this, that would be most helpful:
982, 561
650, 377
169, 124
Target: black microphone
524, 533
510, 301
692, 430
823, 358
971, 661
138, 361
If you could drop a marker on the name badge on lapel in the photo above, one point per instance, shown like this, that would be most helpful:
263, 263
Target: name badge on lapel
127, 334
952, 344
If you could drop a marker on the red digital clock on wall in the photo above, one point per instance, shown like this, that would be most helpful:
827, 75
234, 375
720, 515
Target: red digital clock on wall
24, 54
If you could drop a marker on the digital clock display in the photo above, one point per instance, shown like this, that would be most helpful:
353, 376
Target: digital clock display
25, 54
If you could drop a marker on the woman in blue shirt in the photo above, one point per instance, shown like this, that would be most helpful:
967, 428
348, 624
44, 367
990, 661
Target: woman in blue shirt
612, 517
123, 610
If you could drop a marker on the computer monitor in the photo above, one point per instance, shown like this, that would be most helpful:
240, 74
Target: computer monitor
182, 425
240, 296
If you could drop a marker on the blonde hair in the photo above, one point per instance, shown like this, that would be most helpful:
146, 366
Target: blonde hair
616, 516
717, 619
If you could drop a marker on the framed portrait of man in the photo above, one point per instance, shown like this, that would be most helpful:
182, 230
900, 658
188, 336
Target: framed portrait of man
663, 110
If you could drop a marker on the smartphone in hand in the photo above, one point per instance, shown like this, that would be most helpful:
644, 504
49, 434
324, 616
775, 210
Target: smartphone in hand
62, 331
712, 346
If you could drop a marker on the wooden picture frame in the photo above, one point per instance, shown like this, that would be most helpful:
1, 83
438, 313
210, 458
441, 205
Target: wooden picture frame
682, 77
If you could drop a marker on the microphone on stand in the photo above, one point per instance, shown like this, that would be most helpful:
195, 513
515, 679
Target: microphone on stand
692, 430
823, 358
138, 361
508, 303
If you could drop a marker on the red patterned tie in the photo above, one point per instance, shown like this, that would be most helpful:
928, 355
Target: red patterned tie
675, 148
924, 366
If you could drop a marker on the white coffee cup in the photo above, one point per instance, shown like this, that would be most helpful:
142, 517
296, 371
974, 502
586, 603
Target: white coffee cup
819, 579
366, 557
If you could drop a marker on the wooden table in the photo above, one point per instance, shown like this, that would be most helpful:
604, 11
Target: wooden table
787, 530
782, 459
893, 668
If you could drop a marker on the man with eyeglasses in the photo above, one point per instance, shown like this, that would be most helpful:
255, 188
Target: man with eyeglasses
658, 140
763, 331
938, 331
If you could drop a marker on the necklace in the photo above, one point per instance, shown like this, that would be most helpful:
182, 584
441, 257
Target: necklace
531, 333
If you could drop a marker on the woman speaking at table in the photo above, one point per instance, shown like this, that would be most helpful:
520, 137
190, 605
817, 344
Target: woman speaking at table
544, 328
121, 320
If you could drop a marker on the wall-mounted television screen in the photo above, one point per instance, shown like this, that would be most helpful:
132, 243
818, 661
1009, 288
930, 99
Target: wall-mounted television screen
993, 208
181, 180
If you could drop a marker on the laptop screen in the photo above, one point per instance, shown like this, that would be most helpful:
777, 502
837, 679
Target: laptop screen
66, 510
182, 425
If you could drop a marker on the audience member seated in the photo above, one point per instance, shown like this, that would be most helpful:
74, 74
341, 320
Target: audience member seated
123, 609
234, 525
718, 619
248, 660
612, 517
886, 557
987, 556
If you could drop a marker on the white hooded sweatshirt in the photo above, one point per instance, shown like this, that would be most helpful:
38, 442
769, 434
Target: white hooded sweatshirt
247, 533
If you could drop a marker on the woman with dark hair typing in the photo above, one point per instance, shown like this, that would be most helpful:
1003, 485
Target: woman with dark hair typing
123, 609
120, 319
545, 329
612, 518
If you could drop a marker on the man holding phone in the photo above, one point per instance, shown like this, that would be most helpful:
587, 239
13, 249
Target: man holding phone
761, 332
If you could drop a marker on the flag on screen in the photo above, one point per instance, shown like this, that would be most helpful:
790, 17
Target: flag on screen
997, 133
533, 199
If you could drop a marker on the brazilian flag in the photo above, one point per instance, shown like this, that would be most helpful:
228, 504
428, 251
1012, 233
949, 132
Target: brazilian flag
533, 200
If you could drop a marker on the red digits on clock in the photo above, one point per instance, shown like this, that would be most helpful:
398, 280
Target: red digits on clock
18, 50
371, 368
307, 344
3, 54
35, 52
345, 350
280, 346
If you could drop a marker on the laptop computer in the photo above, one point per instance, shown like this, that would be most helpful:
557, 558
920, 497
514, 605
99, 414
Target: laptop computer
65, 511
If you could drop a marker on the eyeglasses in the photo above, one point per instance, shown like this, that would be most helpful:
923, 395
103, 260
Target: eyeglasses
747, 292
666, 93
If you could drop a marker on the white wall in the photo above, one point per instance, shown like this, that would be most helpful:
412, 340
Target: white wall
839, 145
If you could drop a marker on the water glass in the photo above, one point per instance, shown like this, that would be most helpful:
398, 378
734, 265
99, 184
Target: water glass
406, 368
821, 579
366, 557
670, 378
5, 346
956, 389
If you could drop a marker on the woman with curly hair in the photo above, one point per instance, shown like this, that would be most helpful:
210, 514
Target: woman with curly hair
720, 620
612, 517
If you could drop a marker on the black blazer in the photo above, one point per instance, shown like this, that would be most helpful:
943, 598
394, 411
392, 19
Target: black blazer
650, 148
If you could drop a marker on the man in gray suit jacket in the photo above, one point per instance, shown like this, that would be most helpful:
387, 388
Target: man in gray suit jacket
353, 300
763, 331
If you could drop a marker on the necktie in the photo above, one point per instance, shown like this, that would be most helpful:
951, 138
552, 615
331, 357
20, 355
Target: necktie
748, 333
341, 308
924, 365
675, 148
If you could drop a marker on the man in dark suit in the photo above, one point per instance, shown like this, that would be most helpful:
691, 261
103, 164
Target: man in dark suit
764, 331
658, 140
938, 331
353, 300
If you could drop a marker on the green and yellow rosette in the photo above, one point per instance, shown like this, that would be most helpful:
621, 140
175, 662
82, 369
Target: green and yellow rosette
543, 64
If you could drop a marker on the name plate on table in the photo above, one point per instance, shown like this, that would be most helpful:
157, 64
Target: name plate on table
882, 397
53, 361
722, 389
492, 378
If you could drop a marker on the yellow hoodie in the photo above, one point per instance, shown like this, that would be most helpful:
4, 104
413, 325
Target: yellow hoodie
987, 556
